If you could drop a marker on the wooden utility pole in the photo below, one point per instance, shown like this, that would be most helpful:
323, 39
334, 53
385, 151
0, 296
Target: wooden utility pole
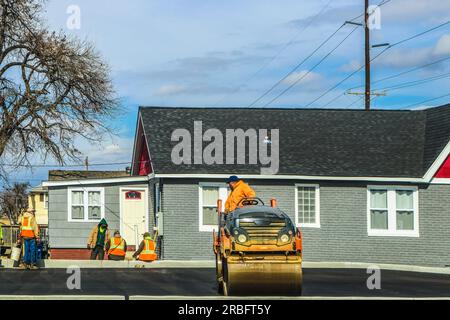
367, 54
86, 163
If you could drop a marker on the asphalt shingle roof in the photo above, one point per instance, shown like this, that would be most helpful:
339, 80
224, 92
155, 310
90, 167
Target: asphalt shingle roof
61, 175
313, 142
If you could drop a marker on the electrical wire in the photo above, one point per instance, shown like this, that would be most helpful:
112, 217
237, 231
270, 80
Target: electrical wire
62, 166
414, 83
379, 54
425, 101
403, 72
296, 66
271, 59
310, 70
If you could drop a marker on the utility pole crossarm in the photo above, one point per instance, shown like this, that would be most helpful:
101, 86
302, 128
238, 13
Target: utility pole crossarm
383, 93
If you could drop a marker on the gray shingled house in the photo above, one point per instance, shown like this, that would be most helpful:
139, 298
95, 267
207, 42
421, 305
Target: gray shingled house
362, 186
78, 200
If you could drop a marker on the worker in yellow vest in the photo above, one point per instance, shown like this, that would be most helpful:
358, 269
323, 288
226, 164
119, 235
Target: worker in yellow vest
29, 234
116, 247
146, 251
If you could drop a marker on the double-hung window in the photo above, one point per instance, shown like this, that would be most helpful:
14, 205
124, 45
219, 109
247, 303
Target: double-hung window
209, 193
86, 204
43, 197
392, 211
307, 205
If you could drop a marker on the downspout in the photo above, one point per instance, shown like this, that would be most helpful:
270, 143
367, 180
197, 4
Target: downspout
158, 215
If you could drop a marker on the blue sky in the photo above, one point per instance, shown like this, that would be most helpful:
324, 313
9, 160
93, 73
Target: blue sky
227, 53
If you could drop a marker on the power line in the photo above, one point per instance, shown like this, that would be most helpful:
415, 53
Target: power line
304, 60
310, 70
422, 33
296, 67
345, 79
415, 82
404, 72
378, 5
425, 101
354, 102
61, 166
271, 59
379, 54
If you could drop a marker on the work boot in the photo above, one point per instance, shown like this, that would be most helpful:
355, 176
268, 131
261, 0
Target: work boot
23, 266
34, 267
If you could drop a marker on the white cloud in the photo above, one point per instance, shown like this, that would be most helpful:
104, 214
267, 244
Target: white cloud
169, 90
306, 78
111, 150
443, 45
351, 66
407, 57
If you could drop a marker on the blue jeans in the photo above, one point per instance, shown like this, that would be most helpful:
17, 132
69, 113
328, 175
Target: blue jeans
29, 256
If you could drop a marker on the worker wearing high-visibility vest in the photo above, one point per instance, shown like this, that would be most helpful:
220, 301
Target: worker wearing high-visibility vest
146, 251
29, 234
116, 247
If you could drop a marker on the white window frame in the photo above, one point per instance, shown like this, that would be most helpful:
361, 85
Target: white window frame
45, 200
317, 204
223, 194
85, 203
392, 212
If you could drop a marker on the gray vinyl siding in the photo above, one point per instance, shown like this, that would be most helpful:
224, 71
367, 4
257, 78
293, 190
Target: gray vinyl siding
342, 235
65, 234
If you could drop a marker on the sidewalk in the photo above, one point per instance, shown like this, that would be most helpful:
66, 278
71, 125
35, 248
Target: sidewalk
57, 264
8, 263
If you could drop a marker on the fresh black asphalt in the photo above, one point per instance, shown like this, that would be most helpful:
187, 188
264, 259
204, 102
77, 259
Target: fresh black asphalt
201, 282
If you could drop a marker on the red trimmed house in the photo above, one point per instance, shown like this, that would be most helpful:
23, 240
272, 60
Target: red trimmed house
364, 186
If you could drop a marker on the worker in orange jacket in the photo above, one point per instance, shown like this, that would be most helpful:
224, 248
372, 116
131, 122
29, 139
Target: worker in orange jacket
116, 247
29, 234
146, 251
239, 191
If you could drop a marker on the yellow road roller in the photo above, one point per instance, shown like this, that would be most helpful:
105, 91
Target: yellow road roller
258, 251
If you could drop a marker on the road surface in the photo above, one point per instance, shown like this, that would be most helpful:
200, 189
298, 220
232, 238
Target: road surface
201, 282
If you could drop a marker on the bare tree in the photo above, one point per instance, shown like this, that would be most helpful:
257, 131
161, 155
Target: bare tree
53, 88
13, 201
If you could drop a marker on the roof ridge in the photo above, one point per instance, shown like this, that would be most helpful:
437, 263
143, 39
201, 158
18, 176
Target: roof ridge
282, 109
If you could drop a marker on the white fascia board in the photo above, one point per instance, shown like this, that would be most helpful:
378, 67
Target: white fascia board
440, 181
291, 177
94, 181
437, 163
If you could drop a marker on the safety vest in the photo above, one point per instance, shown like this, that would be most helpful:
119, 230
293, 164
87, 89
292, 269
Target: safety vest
26, 230
148, 253
117, 247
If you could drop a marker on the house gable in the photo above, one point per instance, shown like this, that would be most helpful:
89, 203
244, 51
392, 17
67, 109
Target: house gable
141, 164
444, 170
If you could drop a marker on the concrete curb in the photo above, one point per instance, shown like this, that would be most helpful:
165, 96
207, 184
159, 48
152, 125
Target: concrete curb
186, 298
382, 266
107, 264
56, 264
210, 298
